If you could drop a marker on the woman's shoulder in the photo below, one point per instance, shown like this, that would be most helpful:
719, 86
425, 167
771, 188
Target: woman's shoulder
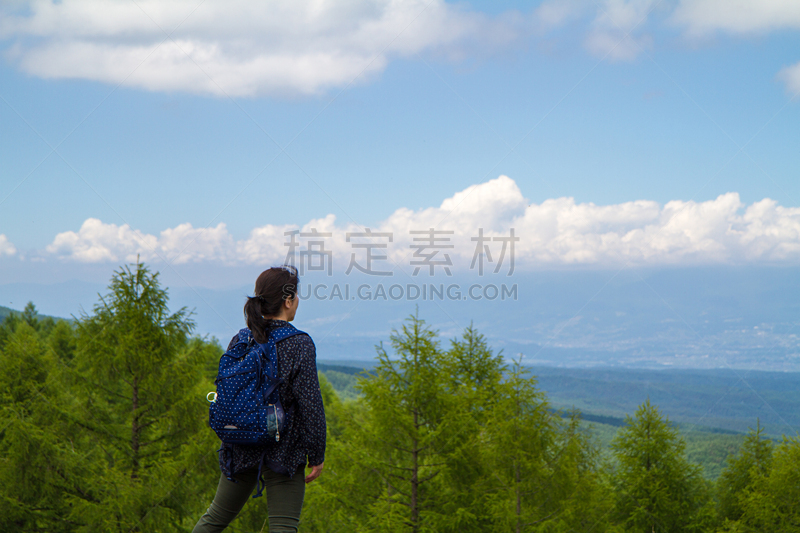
303, 342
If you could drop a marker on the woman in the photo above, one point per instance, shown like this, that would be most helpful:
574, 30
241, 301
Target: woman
302, 440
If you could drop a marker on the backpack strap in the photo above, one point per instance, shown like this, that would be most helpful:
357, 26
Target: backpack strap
276, 336
271, 355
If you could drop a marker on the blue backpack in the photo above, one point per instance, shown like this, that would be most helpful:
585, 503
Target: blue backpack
246, 408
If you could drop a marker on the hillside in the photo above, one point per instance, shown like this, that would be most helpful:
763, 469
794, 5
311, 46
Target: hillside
604, 403
708, 449
727, 400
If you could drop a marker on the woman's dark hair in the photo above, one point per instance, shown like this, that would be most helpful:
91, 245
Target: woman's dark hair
273, 286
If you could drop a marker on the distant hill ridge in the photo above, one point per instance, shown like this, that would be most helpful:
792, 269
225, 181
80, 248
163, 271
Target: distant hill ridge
6, 311
715, 401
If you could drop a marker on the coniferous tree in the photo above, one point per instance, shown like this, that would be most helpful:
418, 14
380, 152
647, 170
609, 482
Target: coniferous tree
411, 423
657, 489
741, 471
496, 457
543, 470
472, 375
141, 378
782, 489
521, 436
30, 316
581, 492
44, 467
770, 500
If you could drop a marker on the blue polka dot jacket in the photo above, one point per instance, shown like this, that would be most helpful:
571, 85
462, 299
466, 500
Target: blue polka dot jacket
303, 439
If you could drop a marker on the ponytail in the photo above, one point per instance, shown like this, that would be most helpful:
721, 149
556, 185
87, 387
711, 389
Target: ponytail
273, 286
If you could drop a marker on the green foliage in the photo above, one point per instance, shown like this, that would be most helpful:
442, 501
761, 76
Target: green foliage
544, 470
771, 503
41, 471
740, 473
657, 489
710, 450
412, 420
104, 428
42, 325
138, 374
449, 440
472, 376
345, 385
760, 487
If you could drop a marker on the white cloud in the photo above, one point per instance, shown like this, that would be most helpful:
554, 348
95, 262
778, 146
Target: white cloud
237, 47
6, 248
301, 47
555, 232
715, 231
98, 242
737, 16
742, 17
617, 29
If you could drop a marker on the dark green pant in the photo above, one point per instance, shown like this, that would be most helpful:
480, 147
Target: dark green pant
284, 500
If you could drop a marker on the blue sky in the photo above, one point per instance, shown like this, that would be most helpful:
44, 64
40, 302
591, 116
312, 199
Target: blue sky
608, 133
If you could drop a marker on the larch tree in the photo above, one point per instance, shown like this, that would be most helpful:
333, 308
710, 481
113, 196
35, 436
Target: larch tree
43, 467
140, 378
521, 450
741, 471
472, 375
770, 503
657, 489
410, 427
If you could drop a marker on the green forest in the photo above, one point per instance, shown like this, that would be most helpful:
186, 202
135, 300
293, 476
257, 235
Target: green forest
104, 429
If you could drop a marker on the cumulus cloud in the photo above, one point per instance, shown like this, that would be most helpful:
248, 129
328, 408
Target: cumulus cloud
555, 232
238, 47
99, 242
6, 248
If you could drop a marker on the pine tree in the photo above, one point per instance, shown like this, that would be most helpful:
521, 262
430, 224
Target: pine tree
29, 316
580, 490
522, 433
